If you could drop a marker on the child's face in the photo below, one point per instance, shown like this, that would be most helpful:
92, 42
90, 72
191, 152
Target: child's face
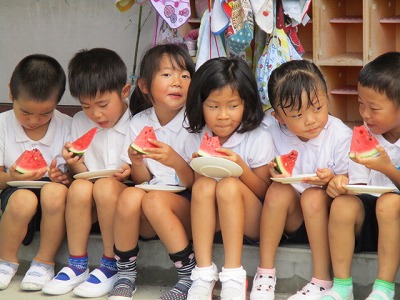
223, 112
308, 122
380, 114
169, 87
33, 115
106, 109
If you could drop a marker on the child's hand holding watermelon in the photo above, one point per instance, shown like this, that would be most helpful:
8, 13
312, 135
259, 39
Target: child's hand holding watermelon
56, 175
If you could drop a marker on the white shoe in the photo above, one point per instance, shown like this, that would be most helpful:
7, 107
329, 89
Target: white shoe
310, 291
7, 272
36, 277
234, 284
263, 287
93, 290
203, 284
60, 287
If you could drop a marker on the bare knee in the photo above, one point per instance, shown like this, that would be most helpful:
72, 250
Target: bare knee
314, 201
227, 190
203, 188
80, 193
388, 207
346, 209
53, 197
22, 205
107, 190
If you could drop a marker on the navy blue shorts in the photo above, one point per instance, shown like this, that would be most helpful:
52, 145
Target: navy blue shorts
368, 239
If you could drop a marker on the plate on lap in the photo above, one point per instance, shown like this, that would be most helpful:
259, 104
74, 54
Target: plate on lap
92, 175
28, 184
156, 187
293, 179
368, 189
216, 167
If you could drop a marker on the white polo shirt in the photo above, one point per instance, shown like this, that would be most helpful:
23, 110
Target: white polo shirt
173, 134
14, 141
107, 145
255, 147
330, 149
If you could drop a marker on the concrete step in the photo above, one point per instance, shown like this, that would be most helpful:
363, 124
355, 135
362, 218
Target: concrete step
293, 264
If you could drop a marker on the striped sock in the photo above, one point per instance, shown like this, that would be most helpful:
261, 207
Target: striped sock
78, 264
126, 265
184, 262
344, 287
381, 289
108, 266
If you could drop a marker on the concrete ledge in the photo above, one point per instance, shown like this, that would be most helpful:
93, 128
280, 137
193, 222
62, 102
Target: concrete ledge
293, 264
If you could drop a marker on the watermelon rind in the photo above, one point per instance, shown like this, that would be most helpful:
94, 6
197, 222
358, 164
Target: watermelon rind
203, 153
26, 171
280, 167
146, 133
363, 142
138, 149
365, 154
77, 147
208, 146
31, 161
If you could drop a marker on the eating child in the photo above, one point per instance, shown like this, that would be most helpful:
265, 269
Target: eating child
37, 85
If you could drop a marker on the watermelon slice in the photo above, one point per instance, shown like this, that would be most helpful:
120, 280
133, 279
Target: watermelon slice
363, 142
208, 146
80, 145
31, 161
142, 140
286, 162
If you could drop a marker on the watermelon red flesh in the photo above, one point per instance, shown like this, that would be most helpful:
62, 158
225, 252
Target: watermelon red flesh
142, 140
363, 142
31, 161
286, 162
80, 145
208, 146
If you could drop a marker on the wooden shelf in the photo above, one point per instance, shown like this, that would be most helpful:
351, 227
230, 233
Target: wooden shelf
347, 20
343, 59
345, 90
390, 20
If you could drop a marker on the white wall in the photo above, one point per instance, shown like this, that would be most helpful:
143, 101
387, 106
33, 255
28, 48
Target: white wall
60, 28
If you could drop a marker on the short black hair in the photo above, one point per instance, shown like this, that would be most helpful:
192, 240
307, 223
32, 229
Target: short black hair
97, 70
39, 77
290, 80
383, 75
150, 64
216, 74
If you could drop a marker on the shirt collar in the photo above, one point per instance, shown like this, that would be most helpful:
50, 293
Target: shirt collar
174, 125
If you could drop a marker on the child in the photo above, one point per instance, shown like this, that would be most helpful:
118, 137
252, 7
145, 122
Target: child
300, 121
36, 87
98, 79
223, 102
357, 221
157, 101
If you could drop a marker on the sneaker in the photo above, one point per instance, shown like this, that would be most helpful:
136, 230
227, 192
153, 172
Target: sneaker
60, 287
263, 287
234, 284
375, 294
203, 283
36, 277
7, 272
310, 291
92, 290
331, 294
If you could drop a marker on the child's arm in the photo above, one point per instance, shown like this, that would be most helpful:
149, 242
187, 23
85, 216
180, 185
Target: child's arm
14, 175
167, 156
56, 175
125, 174
139, 171
381, 163
336, 185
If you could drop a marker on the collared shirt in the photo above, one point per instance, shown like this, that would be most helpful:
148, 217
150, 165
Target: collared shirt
14, 141
105, 149
173, 134
330, 149
254, 147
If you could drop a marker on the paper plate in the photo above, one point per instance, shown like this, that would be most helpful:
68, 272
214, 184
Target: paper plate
368, 189
293, 179
156, 187
91, 175
28, 184
216, 167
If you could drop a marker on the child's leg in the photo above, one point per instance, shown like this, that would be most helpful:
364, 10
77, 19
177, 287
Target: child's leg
388, 215
128, 221
78, 215
345, 220
102, 279
169, 215
315, 205
21, 207
239, 213
281, 213
52, 231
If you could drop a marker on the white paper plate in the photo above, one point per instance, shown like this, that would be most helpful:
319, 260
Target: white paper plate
28, 184
91, 175
216, 167
156, 187
368, 189
293, 179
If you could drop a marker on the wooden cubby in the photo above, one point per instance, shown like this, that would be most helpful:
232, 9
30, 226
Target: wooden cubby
346, 35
